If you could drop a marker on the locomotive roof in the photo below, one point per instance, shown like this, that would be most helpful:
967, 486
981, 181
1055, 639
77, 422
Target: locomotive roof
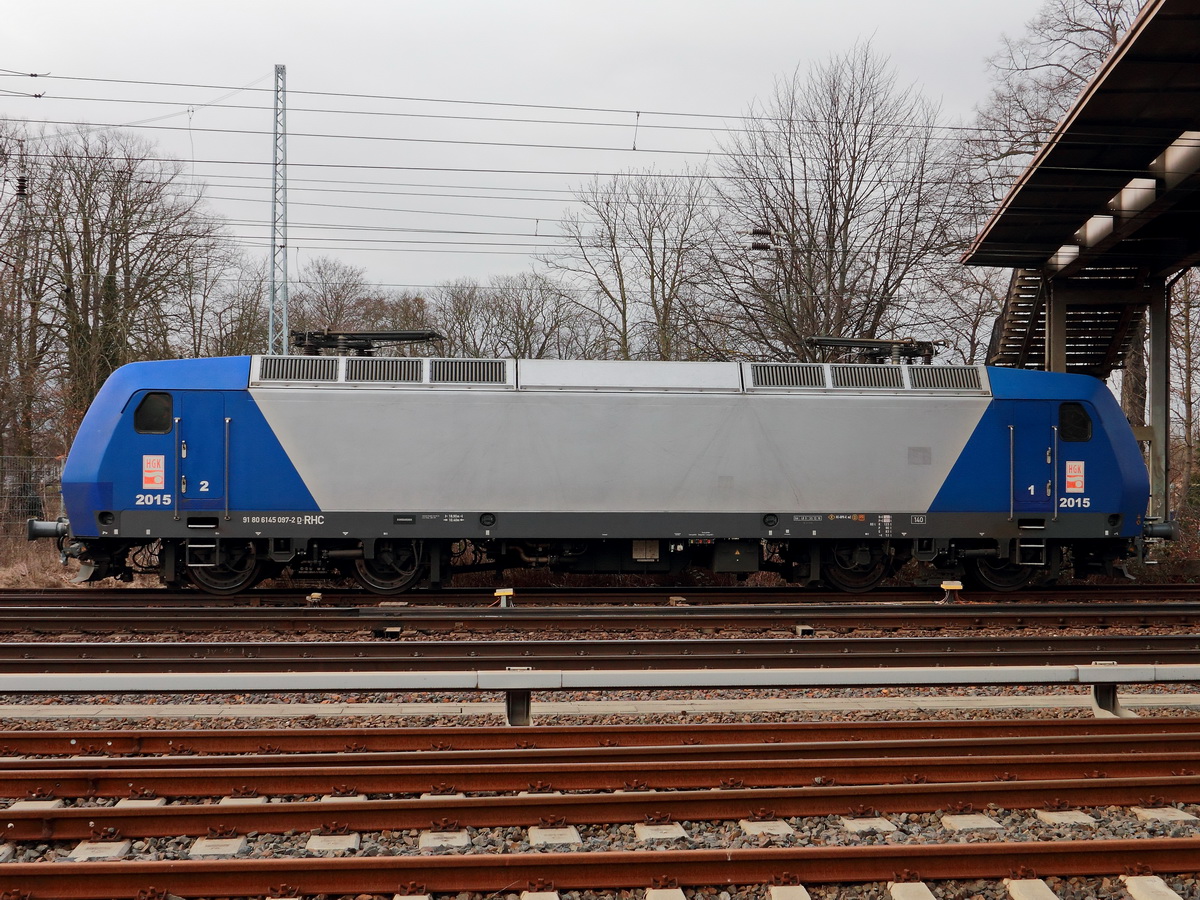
609, 375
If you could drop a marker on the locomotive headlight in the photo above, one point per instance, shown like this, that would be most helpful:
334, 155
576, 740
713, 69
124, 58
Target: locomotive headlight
106, 517
487, 520
770, 520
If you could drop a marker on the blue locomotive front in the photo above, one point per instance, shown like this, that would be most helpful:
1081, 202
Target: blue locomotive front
399, 471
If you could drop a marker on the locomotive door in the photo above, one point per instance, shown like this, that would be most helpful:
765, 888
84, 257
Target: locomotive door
1032, 459
200, 449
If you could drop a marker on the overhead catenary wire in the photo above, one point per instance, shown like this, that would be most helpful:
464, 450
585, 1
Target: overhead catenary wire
949, 179
315, 236
148, 125
624, 123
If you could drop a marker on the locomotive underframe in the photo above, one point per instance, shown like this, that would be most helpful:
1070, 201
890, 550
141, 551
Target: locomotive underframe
389, 553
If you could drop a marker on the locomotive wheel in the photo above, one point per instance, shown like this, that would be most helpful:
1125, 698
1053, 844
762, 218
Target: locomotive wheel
239, 569
997, 574
393, 570
844, 570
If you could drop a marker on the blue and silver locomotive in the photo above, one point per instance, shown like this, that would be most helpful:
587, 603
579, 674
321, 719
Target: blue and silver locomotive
402, 471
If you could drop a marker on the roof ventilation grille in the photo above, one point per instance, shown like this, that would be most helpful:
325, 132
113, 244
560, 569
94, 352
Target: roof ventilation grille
299, 368
467, 371
860, 376
366, 368
788, 375
945, 378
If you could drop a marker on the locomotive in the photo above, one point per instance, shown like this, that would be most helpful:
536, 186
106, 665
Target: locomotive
402, 471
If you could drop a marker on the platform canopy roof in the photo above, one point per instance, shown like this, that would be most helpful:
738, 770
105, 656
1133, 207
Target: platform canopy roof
1117, 186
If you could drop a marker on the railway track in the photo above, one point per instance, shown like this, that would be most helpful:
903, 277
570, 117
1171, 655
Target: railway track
1162, 756
614, 870
143, 801
131, 742
403, 621
461, 655
469, 597
741, 811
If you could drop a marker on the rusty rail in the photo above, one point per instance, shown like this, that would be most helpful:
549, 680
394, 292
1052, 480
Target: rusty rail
75, 613
586, 809
268, 756
567, 871
215, 781
142, 741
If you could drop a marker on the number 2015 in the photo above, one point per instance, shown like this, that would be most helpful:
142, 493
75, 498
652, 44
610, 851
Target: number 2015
152, 500
1074, 502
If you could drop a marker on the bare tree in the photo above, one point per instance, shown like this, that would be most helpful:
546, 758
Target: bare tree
22, 376
524, 316
115, 236
961, 308
227, 314
847, 171
330, 294
1035, 80
459, 310
219, 311
1185, 359
532, 317
400, 311
635, 253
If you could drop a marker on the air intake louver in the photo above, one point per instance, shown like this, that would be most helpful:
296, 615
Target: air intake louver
383, 369
868, 377
944, 378
788, 375
299, 368
467, 371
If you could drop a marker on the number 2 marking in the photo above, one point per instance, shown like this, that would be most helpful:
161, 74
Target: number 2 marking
203, 486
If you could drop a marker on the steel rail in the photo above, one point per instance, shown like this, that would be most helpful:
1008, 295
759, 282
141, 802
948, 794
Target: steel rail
415, 656
216, 781
602, 870
334, 594
458, 598
900, 615
139, 741
1078, 748
626, 807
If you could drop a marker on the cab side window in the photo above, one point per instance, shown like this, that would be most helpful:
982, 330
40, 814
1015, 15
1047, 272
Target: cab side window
154, 414
1074, 423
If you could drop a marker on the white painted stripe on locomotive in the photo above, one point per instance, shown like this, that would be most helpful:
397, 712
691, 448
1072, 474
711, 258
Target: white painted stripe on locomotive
620, 452
607, 374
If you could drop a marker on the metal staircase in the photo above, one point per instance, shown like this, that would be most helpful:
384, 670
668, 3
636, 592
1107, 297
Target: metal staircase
1098, 337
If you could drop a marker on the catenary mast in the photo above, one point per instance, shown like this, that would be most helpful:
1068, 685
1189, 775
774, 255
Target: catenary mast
277, 318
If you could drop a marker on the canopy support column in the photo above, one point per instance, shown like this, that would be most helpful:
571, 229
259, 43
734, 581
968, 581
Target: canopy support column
1159, 387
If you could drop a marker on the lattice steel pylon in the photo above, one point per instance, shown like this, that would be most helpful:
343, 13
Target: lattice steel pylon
277, 317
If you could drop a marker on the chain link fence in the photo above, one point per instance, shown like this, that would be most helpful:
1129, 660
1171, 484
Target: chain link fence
29, 486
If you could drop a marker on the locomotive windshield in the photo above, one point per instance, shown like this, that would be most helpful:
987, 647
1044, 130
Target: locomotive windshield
1074, 423
154, 414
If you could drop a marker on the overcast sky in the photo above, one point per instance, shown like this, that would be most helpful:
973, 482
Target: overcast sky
379, 175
